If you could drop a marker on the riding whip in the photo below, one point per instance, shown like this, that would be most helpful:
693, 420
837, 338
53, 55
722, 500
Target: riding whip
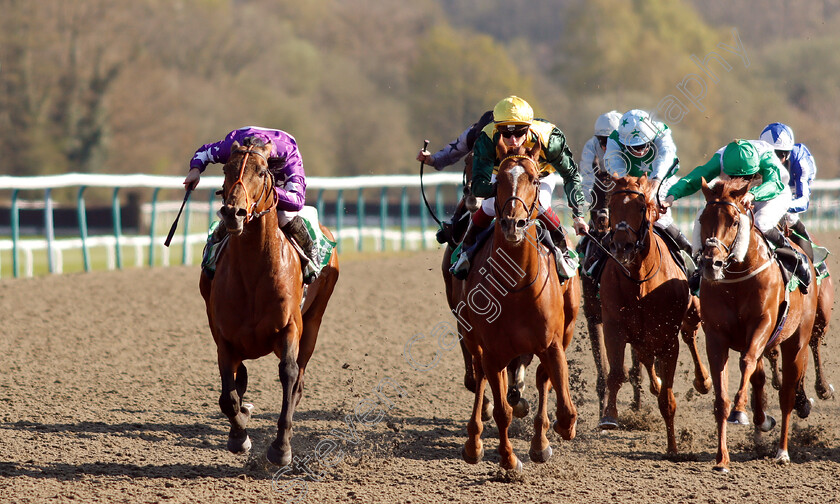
175, 224
423, 190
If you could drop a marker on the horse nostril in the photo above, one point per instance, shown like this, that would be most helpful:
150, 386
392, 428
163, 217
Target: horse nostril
504, 224
717, 264
241, 212
520, 224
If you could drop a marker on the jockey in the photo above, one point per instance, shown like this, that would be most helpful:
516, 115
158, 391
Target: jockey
284, 163
643, 146
513, 121
770, 198
450, 155
592, 156
802, 169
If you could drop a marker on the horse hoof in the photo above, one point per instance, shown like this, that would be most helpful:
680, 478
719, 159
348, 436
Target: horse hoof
608, 423
769, 423
738, 418
541, 456
720, 469
472, 460
278, 457
703, 387
566, 434
237, 445
782, 457
521, 409
803, 408
826, 394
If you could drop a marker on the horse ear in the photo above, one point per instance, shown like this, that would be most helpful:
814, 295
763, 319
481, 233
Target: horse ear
501, 148
234, 146
707, 192
534, 152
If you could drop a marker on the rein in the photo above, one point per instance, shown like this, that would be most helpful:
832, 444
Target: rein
251, 206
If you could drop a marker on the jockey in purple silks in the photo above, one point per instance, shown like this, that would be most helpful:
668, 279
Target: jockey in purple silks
284, 163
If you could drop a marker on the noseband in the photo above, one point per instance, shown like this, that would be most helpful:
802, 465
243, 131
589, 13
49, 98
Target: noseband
250, 206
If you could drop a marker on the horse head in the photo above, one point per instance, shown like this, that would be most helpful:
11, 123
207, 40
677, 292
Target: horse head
598, 212
632, 210
517, 189
724, 226
248, 190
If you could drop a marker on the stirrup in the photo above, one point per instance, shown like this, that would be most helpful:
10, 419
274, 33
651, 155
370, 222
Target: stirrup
564, 268
461, 268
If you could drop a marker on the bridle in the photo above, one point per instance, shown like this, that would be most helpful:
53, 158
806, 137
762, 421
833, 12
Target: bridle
251, 206
531, 211
513, 199
713, 241
642, 234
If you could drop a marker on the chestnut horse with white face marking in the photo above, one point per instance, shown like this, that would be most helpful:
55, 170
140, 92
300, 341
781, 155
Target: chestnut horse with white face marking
254, 299
742, 294
535, 311
645, 301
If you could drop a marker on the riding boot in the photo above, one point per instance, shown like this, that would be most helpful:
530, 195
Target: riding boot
801, 237
480, 221
444, 234
679, 239
794, 262
555, 240
296, 228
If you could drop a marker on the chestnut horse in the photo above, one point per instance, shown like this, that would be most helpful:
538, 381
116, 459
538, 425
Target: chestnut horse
468, 204
516, 305
743, 296
645, 301
255, 302
599, 225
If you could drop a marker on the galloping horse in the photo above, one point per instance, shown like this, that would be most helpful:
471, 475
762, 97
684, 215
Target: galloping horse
599, 225
256, 304
645, 301
516, 368
516, 306
743, 301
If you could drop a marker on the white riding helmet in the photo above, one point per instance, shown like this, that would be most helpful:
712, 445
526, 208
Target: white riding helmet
607, 123
636, 128
779, 135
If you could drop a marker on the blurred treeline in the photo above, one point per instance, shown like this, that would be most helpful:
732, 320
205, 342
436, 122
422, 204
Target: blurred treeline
135, 87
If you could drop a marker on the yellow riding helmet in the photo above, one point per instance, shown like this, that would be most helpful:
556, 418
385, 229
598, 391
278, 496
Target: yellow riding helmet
513, 110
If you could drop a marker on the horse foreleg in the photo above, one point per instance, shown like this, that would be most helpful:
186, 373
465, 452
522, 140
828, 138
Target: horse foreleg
470, 379
516, 382
592, 313
280, 450
558, 373
718, 355
635, 379
473, 450
773, 358
540, 447
667, 404
763, 422
690, 326
794, 362
234, 383
615, 345
503, 414
824, 389
750, 360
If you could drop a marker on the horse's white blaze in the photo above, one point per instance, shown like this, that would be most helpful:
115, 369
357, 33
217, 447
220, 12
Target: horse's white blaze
516, 172
626, 200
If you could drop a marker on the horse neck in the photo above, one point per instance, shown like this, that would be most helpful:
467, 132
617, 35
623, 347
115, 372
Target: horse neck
260, 247
521, 258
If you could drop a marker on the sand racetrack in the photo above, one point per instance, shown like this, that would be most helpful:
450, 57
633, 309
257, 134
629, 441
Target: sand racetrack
111, 388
